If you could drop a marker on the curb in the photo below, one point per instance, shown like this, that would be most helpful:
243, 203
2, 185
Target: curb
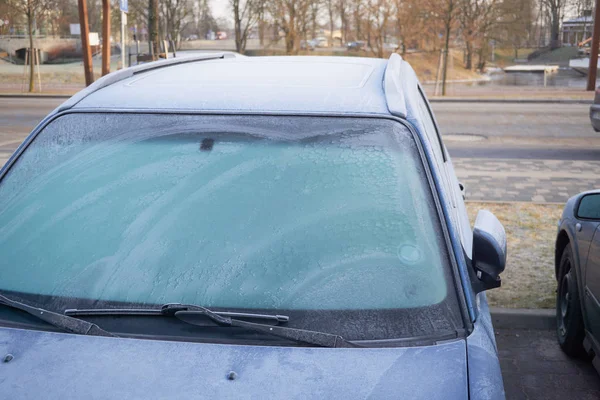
521, 318
509, 101
34, 96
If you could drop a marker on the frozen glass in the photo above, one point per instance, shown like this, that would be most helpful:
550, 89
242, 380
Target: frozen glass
298, 213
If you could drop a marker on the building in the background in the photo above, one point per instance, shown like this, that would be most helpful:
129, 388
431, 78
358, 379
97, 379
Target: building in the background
577, 30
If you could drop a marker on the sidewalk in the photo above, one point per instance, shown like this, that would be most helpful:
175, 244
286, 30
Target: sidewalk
510, 93
538, 181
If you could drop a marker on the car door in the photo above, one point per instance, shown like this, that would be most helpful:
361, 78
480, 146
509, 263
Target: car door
588, 221
593, 285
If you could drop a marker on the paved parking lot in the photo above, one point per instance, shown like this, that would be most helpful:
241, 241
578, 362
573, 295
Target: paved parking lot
534, 367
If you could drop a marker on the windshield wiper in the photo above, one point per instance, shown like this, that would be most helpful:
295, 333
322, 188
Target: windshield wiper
278, 319
60, 321
189, 314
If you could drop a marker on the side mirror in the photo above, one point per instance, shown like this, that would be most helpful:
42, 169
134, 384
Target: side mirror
489, 252
589, 207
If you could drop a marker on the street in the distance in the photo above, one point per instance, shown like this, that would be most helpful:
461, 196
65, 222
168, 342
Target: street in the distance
541, 152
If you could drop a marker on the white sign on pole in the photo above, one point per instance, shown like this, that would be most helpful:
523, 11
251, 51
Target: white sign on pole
123, 5
94, 39
75, 29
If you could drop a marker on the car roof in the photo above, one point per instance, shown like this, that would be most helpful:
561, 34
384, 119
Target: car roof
294, 84
229, 83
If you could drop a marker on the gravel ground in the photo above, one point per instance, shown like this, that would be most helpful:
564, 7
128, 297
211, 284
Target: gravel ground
528, 281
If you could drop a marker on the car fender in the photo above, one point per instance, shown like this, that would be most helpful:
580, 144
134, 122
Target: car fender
567, 227
485, 376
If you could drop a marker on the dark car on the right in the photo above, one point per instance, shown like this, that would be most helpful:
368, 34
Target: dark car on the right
577, 269
595, 111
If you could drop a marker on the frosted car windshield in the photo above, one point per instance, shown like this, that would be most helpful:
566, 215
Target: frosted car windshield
306, 214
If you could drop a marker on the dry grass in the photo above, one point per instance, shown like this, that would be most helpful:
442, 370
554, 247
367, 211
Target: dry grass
528, 281
426, 66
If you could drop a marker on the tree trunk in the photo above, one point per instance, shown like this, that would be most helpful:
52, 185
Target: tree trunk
31, 53
238, 28
555, 30
153, 27
446, 55
331, 26
469, 55
261, 26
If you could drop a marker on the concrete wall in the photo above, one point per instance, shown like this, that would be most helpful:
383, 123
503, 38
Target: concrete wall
11, 45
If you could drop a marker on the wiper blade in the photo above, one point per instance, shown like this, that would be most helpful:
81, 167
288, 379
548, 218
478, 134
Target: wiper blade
183, 312
189, 314
162, 311
60, 321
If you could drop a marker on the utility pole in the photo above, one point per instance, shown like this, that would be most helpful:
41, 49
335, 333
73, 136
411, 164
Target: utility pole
591, 86
85, 42
105, 37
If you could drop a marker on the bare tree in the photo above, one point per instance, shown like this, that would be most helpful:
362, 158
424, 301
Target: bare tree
379, 13
245, 16
331, 14
315, 8
409, 23
477, 18
342, 9
175, 14
30, 9
358, 16
515, 23
446, 11
555, 11
262, 21
290, 16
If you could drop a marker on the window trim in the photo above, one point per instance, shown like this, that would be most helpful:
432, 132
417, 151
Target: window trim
435, 125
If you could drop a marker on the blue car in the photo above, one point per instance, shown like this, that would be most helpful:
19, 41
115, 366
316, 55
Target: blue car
229, 227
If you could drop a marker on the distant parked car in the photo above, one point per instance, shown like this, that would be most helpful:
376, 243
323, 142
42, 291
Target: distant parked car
307, 45
577, 270
595, 111
321, 42
218, 226
356, 46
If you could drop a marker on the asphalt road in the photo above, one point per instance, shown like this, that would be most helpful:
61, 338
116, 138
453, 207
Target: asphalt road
535, 368
471, 130
515, 119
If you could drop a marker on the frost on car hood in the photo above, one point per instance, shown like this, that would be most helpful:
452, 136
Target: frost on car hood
57, 366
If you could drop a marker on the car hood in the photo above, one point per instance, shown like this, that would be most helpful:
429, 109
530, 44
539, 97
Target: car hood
59, 366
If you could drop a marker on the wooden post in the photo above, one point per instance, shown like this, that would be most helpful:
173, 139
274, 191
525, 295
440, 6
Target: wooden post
38, 57
591, 86
85, 42
105, 37
25, 69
